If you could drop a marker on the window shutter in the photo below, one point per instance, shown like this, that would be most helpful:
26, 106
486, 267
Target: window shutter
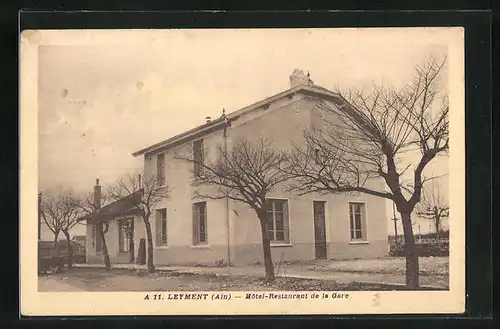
195, 225
164, 223
158, 227
203, 156
351, 221
286, 221
364, 233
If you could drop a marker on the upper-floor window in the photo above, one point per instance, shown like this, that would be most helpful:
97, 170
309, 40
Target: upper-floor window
357, 219
161, 227
160, 169
317, 156
198, 157
199, 223
278, 221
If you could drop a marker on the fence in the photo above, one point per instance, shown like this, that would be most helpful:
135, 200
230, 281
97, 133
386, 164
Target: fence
429, 247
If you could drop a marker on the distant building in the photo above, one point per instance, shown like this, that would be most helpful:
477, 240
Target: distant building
80, 239
45, 233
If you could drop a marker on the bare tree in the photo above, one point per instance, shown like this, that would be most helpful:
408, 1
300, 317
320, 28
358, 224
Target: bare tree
433, 207
60, 213
51, 213
70, 220
90, 207
375, 135
146, 193
247, 172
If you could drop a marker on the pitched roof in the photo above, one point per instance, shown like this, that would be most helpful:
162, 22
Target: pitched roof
122, 207
79, 237
43, 244
221, 122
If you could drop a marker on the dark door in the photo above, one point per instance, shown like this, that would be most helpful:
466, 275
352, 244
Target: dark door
131, 240
319, 229
141, 254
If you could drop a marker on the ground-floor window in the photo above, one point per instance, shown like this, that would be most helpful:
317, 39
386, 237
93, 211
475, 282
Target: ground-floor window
278, 221
357, 219
124, 234
96, 237
199, 223
161, 227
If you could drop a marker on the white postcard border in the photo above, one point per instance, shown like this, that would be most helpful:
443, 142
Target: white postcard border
34, 303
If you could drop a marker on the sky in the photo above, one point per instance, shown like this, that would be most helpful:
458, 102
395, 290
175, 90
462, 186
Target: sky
100, 102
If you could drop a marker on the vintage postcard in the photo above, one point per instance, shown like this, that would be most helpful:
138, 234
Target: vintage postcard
242, 171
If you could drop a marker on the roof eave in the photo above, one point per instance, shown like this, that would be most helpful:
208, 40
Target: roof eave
182, 136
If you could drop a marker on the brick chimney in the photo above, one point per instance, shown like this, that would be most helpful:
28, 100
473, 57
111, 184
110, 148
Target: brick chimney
97, 194
299, 78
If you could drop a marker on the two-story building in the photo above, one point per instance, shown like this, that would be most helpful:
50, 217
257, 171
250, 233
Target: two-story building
312, 226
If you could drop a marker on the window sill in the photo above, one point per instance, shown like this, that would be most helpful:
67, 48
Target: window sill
359, 242
201, 246
161, 247
281, 245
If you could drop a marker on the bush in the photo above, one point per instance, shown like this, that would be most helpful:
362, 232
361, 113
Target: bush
220, 263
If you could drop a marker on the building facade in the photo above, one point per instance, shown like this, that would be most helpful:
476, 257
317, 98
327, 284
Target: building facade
205, 231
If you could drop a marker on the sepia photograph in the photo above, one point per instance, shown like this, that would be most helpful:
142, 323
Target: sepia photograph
242, 171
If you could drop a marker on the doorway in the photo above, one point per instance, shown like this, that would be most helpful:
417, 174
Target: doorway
319, 229
131, 241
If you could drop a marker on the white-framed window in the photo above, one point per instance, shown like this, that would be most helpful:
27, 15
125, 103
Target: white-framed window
198, 157
317, 155
278, 221
161, 227
125, 225
160, 169
200, 223
96, 237
357, 220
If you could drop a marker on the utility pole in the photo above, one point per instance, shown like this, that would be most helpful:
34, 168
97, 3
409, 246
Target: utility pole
395, 219
228, 222
39, 215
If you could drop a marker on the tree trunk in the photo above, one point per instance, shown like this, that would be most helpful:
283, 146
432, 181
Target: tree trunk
412, 271
437, 223
56, 235
149, 235
70, 249
56, 254
266, 246
107, 262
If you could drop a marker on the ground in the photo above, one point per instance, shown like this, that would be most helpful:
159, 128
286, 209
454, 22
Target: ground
375, 274
389, 265
84, 279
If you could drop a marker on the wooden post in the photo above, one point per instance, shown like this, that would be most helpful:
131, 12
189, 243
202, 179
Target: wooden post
39, 216
394, 218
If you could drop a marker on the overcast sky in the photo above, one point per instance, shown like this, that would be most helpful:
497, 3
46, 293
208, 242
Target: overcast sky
100, 103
